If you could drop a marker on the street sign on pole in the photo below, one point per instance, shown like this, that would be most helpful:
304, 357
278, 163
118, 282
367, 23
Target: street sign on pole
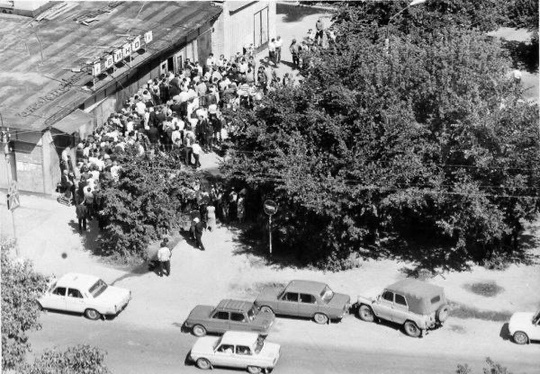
270, 207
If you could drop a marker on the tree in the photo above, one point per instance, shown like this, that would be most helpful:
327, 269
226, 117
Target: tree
492, 368
80, 359
145, 203
411, 142
21, 286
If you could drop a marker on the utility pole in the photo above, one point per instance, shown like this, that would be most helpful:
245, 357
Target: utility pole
13, 193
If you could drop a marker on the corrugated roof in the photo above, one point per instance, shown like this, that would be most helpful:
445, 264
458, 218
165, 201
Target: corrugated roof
38, 86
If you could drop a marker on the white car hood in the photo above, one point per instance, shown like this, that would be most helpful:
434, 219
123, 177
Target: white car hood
270, 350
113, 295
520, 320
205, 345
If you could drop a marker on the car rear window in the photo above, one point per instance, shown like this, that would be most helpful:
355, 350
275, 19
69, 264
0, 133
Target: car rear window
98, 288
436, 299
400, 300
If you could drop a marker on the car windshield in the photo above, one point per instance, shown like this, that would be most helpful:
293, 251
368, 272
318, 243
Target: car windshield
536, 318
251, 313
218, 342
259, 345
98, 288
327, 294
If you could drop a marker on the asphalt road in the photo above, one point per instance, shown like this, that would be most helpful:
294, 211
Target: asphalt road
136, 349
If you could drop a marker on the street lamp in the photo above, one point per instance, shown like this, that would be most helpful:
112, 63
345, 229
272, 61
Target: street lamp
387, 40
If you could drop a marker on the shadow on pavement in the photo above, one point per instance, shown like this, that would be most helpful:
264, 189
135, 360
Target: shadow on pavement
294, 13
524, 55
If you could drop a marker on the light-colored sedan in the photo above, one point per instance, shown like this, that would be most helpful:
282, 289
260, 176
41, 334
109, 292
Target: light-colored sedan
525, 327
87, 294
236, 349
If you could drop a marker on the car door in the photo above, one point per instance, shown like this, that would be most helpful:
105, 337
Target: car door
56, 299
219, 322
243, 356
307, 305
75, 301
401, 309
535, 333
288, 304
385, 305
224, 356
238, 321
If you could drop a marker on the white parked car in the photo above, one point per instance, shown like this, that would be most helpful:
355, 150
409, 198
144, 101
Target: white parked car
236, 349
87, 294
525, 327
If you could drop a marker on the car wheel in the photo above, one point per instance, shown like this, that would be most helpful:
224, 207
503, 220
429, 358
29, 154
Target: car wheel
253, 369
442, 313
520, 337
199, 330
266, 309
411, 329
92, 314
320, 318
365, 313
203, 363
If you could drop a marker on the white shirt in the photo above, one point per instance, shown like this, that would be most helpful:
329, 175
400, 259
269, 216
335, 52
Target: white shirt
164, 254
210, 61
279, 43
271, 47
196, 148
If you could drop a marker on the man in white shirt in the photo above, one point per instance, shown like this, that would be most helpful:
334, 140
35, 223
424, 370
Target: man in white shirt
272, 51
196, 149
210, 61
279, 44
164, 257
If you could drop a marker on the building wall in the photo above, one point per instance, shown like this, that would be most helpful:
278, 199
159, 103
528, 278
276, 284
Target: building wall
236, 26
29, 164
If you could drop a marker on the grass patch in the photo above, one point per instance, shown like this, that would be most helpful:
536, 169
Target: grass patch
254, 289
465, 312
487, 289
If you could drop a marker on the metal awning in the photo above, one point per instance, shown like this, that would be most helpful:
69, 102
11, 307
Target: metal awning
71, 123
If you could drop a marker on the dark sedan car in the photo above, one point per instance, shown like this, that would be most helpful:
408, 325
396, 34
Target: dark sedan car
229, 315
304, 299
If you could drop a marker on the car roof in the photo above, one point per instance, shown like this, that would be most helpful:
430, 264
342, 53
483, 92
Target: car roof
76, 280
301, 286
239, 337
235, 305
416, 288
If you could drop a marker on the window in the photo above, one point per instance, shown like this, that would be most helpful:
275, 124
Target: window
307, 298
291, 296
260, 28
60, 291
327, 294
98, 288
74, 293
238, 317
226, 348
221, 315
400, 300
388, 296
251, 313
436, 299
243, 350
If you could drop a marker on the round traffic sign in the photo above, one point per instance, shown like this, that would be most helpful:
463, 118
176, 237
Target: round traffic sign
270, 207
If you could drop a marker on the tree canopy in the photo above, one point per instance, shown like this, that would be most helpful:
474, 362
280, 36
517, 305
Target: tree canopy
79, 359
423, 140
21, 286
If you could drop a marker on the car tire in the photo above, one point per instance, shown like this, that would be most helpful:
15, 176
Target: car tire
320, 318
266, 309
411, 329
254, 369
365, 313
198, 331
204, 364
92, 314
442, 313
520, 338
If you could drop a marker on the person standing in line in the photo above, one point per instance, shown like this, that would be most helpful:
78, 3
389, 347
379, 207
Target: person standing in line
164, 257
294, 49
196, 149
82, 213
272, 51
279, 44
199, 229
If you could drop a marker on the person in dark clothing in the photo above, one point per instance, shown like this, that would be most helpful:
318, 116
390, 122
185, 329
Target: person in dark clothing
82, 213
199, 229
153, 135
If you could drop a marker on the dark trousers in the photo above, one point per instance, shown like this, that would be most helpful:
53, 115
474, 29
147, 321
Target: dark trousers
296, 60
197, 162
164, 265
278, 54
198, 239
82, 224
187, 153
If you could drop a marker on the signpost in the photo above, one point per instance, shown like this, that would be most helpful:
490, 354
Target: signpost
270, 207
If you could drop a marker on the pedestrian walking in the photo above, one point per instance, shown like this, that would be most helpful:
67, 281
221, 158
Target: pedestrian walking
272, 51
319, 26
196, 149
294, 48
82, 213
164, 258
279, 44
